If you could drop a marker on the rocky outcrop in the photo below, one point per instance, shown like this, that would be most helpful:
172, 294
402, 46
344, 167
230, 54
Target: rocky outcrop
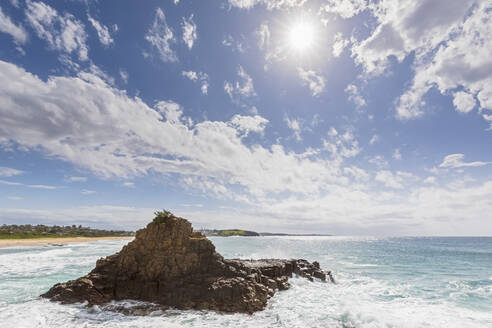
169, 264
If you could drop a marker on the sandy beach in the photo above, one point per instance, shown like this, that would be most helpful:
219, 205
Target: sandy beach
47, 241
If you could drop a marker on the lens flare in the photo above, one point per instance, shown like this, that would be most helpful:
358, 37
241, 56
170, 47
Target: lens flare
301, 36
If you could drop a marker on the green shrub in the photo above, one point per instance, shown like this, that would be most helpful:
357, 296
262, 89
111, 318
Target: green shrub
161, 216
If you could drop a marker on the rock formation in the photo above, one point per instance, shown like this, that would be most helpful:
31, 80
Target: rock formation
169, 264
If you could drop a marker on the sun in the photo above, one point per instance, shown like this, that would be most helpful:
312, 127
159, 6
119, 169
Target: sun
301, 36
298, 38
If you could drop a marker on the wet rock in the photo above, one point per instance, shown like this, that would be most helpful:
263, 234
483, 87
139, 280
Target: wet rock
170, 264
134, 308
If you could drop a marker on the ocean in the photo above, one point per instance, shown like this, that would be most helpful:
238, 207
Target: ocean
380, 282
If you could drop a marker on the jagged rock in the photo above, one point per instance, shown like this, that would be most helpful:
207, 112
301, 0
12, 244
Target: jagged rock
169, 264
134, 308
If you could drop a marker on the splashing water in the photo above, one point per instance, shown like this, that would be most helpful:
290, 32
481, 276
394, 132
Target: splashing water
381, 282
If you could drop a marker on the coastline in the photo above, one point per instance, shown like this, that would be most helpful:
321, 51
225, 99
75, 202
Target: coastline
57, 241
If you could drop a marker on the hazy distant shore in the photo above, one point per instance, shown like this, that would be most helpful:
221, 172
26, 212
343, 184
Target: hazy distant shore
247, 233
57, 241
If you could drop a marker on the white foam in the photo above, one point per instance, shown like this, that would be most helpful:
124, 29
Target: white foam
306, 304
356, 301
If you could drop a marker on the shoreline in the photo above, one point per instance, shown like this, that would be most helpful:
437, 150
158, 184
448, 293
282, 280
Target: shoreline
58, 241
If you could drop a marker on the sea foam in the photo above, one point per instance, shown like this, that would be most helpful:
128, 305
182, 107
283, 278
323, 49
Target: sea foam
380, 283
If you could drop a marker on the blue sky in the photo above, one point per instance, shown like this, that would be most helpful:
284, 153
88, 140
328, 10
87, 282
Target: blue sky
344, 117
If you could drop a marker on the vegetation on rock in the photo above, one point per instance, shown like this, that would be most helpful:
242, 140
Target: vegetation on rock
162, 216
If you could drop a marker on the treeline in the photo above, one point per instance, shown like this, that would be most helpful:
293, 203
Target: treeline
227, 233
15, 231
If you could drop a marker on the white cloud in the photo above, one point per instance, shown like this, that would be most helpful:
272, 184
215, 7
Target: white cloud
40, 186
316, 121
124, 75
354, 96
114, 135
235, 45
394, 180
87, 192
97, 71
204, 87
373, 52
263, 33
339, 44
344, 8
248, 124
269, 4
161, 36
102, 31
441, 43
6, 172
405, 26
34, 186
428, 210
15, 198
488, 118
192, 205
463, 101
295, 126
378, 161
457, 161
62, 32
17, 32
374, 139
430, 180
356, 172
272, 43
198, 77
341, 145
15, 3
455, 209
173, 113
244, 4
410, 104
192, 76
229, 89
242, 89
389, 179
77, 179
189, 31
397, 154
10, 183
315, 82
67, 62
128, 184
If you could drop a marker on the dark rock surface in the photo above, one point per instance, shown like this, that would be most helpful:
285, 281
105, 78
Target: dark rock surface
169, 264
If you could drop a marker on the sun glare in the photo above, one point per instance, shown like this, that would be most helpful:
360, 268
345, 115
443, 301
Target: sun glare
301, 36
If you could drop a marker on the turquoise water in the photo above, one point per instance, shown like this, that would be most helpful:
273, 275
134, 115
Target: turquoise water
381, 282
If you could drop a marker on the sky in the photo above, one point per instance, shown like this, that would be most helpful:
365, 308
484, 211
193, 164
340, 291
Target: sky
347, 117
